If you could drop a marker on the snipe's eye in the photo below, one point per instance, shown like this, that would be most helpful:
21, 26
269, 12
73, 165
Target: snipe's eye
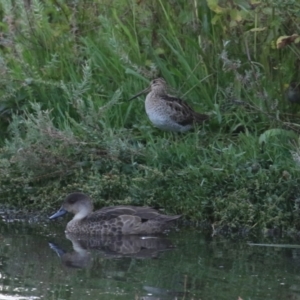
158, 80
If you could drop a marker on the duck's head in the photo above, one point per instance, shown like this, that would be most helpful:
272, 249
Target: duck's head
157, 85
78, 204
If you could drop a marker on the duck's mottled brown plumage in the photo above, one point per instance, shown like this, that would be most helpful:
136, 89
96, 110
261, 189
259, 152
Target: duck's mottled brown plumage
114, 220
167, 112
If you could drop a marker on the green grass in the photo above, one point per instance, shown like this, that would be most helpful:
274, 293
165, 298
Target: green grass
69, 70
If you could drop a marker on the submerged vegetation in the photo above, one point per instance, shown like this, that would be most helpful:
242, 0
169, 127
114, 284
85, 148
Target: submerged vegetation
69, 67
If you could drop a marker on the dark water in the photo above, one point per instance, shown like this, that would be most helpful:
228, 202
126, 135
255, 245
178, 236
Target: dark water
40, 262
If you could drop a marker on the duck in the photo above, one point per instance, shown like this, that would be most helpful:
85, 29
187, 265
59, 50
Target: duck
167, 112
112, 220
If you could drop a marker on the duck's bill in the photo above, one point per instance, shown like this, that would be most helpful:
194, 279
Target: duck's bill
59, 213
140, 93
58, 251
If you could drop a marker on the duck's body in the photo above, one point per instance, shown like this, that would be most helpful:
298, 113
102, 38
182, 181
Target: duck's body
167, 112
117, 220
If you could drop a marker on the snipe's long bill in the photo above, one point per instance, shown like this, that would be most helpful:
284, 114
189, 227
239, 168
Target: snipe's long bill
167, 112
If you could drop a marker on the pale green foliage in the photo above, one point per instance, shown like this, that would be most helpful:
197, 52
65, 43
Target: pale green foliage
38, 153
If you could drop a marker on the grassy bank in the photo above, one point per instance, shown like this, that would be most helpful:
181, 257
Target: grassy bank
68, 70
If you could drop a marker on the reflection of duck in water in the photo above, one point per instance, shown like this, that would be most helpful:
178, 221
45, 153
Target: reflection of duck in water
157, 293
111, 247
114, 220
126, 246
79, 258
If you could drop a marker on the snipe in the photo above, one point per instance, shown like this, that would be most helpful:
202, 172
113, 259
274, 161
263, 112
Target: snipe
167, 112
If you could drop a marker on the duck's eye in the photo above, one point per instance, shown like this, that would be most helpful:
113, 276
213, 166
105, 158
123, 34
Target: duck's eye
72, 200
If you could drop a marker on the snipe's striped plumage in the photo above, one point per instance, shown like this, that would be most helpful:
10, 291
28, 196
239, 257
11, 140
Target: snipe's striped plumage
167, 112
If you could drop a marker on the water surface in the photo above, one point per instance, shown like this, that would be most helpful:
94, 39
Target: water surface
40, 262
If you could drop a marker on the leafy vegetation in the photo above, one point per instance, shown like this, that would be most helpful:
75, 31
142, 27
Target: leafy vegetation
68, 68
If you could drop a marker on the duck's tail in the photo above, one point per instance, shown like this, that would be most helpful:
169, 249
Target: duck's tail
171, 218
